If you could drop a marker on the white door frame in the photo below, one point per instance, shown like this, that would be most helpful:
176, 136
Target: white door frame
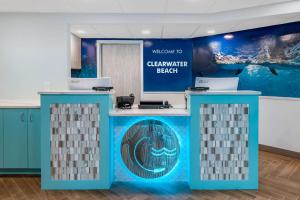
139, 42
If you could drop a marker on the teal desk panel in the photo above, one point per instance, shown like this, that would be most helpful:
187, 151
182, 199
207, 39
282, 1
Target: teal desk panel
224, 142
1, 139
15, 138
70, 122
34, 139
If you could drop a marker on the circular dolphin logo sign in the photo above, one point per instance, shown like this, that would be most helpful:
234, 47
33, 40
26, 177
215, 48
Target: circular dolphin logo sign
150, 149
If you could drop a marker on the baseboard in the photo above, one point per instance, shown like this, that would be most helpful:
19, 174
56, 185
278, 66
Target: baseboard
20, 171
279, 151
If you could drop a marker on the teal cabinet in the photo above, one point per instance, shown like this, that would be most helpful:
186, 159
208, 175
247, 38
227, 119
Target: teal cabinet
1, 139
15, 138
20, 141
34, 139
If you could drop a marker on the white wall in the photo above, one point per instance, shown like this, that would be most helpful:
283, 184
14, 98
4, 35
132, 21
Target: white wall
280, 122
34, 50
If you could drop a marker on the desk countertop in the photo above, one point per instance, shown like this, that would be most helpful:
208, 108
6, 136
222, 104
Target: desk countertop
121, 112
76, 92
224, 92
16, 104
150, 112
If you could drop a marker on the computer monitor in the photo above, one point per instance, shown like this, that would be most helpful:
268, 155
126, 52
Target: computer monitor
89, 83
217, 83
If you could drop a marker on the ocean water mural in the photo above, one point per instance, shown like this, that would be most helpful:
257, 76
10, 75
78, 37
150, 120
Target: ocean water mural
265, 59
88, 60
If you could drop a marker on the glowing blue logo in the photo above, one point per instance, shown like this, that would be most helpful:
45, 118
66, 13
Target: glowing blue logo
150, 149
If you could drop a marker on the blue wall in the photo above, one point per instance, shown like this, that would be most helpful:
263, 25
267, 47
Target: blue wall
265, 59
167, 65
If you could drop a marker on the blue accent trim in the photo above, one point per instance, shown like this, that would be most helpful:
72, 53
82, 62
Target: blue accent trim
105, 142
195, 182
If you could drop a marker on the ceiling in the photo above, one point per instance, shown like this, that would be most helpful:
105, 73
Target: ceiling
173, 30
162, 18
130, 6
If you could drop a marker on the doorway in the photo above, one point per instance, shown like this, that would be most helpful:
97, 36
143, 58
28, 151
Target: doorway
122, 61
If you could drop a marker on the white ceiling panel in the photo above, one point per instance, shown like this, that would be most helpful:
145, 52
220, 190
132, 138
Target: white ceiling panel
83, 30
217, 28
69, 6
155, 30
34, 6
93, 6
112, 30
179, 30
212, 6
189, 6
226, 5
143, 6
294, 18
131, 6
260, 22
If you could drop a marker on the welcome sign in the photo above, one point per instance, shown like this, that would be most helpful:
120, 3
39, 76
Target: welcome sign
167, 65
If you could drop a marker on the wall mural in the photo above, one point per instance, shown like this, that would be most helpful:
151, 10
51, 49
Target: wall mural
265, 59
88, 60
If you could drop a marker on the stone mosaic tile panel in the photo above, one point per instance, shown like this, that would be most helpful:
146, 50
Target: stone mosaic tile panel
75, 147
224, 141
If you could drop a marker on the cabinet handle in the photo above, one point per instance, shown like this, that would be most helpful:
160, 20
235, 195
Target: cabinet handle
23, 117
31, 118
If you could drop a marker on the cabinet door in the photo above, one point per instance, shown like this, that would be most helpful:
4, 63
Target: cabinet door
15, 138
1, 139
34, 139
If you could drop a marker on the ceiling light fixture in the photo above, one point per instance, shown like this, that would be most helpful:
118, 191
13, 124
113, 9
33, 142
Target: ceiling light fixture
228, 36
80, 32
146, 32
211, 32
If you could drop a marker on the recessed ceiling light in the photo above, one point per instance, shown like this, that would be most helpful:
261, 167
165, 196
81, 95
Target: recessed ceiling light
146, 32
228, 36
211, 32
80, 32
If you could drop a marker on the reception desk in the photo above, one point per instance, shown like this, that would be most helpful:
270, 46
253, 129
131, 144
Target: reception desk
87, 144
